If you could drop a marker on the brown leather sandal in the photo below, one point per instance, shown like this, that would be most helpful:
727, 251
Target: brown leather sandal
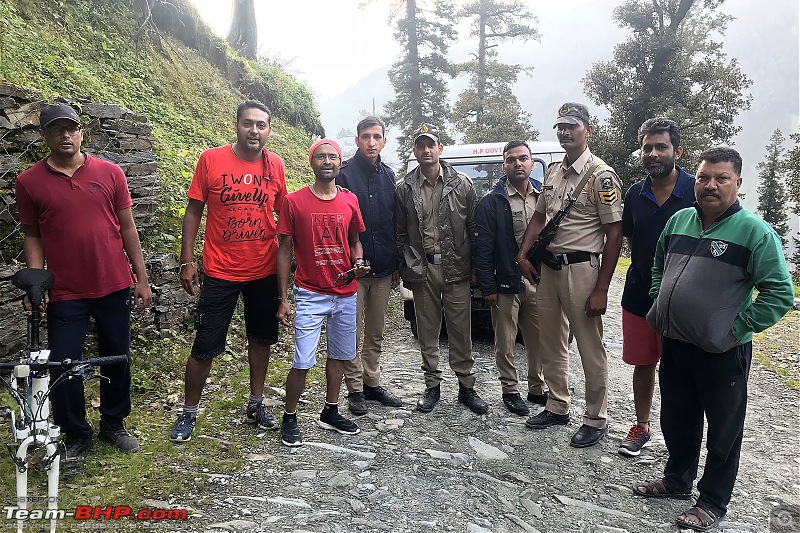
657, 489
706, 519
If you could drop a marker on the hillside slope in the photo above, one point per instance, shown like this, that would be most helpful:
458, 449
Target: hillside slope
103, 51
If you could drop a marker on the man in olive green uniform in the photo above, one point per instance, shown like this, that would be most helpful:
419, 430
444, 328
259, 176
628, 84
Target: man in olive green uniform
435, 208
579, 289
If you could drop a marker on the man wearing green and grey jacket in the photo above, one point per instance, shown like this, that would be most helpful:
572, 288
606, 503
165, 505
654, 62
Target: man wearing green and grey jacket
708, 261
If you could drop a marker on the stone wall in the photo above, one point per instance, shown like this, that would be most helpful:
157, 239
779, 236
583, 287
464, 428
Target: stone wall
112, 133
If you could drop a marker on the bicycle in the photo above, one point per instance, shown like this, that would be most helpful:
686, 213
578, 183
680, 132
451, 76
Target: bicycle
29, 387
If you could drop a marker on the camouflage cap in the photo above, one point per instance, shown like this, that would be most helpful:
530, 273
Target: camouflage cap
427, 130
571, 112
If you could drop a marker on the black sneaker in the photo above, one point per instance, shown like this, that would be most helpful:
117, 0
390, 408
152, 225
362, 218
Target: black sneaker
379, 394
290, 433
539, 399
182, 431
637, 438
429, 399
77, 449
330, 419
115, 433
513, 402
356, 403
73, 456
545, 419
258, 414
470, 398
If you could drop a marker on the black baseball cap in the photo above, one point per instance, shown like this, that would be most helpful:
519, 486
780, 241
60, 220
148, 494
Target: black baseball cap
51, 113
571, 112
427, 130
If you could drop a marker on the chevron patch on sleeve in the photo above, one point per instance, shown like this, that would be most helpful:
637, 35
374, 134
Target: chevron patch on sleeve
609, 197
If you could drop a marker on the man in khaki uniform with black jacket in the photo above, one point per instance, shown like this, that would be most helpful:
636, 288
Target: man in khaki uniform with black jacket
435, 209
502, 216
579, 289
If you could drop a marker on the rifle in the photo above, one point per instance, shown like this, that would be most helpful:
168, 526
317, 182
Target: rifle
539, 253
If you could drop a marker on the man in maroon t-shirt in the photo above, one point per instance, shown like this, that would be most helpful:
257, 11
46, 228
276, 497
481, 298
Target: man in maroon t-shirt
321, 223
75, 211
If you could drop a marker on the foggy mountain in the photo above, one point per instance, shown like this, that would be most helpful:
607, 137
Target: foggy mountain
764, 41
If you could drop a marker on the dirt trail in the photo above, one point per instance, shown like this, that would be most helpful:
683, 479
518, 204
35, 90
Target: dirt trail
451, 470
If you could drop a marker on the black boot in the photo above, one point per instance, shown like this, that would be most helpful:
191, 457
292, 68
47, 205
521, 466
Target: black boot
470, 398
428, 400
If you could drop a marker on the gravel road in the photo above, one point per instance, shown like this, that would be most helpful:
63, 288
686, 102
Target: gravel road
451, 470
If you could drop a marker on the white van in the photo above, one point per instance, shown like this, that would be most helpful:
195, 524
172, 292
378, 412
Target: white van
483, 164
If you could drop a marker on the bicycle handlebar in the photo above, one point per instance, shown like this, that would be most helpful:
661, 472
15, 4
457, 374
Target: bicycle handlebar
69, 363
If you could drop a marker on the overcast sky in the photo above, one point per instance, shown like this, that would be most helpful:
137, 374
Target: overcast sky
358, 40
342, 52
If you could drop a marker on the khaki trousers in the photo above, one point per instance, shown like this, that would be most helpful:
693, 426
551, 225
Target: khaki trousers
561, 293
517, 311
429, 298
371, 303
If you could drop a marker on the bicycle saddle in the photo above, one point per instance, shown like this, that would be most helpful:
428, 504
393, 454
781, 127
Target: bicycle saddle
34, 281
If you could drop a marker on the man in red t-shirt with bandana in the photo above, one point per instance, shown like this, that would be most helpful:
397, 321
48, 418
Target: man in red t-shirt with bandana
243, 185
320, 224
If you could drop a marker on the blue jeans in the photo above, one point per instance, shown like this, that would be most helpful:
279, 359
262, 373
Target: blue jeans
67, 324
311, 308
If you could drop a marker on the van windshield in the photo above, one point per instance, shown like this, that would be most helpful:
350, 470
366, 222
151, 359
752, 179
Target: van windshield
485, 176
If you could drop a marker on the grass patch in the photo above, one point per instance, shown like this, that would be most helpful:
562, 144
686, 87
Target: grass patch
778, 349
622, 266
162, 469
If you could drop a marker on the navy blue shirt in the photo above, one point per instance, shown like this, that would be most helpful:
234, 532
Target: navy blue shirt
374, 187
643, 220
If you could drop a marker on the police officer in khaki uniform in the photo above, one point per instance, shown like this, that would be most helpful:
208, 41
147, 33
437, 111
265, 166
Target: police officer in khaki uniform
435, 226
502, 217
579, 289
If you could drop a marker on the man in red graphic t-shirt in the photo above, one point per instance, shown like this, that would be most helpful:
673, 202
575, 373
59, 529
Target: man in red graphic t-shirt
243, 185
75, 211
321, 223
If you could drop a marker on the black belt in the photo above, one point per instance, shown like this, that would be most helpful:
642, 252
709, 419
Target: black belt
571, 258
434, 259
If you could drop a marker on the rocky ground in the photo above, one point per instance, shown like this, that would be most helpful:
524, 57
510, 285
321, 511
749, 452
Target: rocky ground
451, 470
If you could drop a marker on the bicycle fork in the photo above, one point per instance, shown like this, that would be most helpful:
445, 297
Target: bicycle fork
39, 433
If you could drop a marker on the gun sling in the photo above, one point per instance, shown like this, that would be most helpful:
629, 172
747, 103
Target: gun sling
540, 254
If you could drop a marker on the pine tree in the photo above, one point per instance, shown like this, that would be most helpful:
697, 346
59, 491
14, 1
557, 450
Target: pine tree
243, 33
772, 204
418, 76
791, 167
487, 110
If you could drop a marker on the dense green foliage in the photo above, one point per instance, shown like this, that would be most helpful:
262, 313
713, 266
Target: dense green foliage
791, 168
771, 193
488, 110
672, 65
91, 50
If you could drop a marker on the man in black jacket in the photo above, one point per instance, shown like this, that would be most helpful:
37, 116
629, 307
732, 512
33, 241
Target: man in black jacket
502, 216
372, 182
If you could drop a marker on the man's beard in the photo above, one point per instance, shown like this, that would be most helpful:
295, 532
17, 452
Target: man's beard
326, 177
658, 170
